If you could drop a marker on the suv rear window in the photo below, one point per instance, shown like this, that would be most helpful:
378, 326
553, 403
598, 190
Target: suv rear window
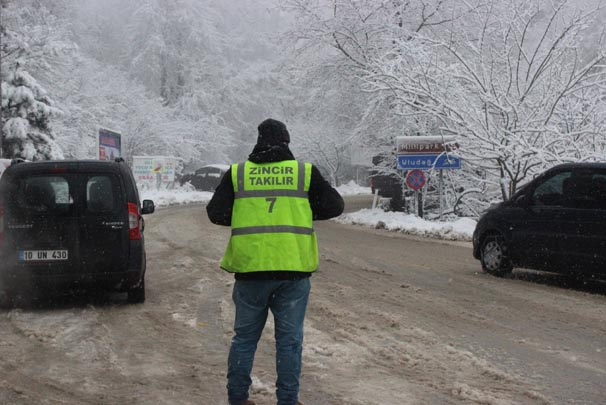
43, 195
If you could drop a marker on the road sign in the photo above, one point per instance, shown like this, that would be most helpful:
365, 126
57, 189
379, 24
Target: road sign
425, 145
415, 179
427, 162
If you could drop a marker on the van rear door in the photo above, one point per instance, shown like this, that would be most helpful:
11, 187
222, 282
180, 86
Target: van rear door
104, 236
41, 220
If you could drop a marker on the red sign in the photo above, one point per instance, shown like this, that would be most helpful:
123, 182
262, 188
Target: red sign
415, 179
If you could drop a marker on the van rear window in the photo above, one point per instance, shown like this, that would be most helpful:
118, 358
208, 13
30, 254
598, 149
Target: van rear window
48, 195
99, 194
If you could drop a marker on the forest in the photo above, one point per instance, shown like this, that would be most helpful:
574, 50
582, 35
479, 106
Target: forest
520, 84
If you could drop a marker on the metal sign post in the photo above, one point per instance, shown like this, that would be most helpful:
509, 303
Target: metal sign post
440, 191
415, 179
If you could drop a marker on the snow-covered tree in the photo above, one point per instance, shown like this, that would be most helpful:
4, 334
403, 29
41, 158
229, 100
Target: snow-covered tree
25, 120
515, 80
26, 107
507, 88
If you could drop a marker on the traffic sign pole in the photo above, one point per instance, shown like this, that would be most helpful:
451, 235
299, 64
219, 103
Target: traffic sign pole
440, 191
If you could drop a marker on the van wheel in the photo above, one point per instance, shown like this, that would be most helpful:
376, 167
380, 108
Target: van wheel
136, 295
494, 256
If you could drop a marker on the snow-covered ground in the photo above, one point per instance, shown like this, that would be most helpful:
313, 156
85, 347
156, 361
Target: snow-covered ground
460, 229
177, 196
352, 188
185, 195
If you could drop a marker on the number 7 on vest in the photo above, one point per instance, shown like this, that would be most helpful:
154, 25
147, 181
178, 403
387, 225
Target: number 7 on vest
271, 201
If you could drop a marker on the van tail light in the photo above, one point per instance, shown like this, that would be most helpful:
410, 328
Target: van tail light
134, 232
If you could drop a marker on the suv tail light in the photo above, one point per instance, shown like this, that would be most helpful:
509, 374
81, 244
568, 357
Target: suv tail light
134, 231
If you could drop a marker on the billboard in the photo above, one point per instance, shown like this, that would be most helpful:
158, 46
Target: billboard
154, 171
110, 144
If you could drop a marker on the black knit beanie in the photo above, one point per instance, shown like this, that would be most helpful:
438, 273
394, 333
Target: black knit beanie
272, 132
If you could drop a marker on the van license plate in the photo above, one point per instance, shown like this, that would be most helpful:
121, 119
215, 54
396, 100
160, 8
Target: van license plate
42, 255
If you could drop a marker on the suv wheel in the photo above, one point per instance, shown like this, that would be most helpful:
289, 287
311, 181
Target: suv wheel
494, 256
136, 294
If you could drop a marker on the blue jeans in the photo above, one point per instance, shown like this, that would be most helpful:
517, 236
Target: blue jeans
287, 300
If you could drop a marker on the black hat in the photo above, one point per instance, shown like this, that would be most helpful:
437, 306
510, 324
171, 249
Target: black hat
272, 132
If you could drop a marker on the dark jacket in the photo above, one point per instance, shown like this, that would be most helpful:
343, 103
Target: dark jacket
324, 200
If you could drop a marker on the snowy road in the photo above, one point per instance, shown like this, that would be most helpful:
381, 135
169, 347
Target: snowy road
392, 320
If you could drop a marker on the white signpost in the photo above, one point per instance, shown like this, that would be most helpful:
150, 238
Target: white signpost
154, 171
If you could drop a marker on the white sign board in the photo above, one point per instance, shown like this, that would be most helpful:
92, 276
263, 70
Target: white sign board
154, 171
427, 153
4, 163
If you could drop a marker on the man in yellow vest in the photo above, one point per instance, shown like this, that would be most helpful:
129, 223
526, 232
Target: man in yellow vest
270, 202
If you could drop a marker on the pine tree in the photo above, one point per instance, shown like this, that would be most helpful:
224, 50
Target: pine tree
26, 108
26, 112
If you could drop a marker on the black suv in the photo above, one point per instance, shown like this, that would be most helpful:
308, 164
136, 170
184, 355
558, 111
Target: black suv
555, 223
206, 178
72, 222
386, 185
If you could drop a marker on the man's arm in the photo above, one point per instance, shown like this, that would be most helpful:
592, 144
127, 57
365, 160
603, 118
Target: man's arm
220, 207
325, 201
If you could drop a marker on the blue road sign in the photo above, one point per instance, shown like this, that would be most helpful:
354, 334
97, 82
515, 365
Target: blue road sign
427, 162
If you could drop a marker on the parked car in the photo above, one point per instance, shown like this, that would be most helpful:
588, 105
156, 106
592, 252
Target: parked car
206, 178
387, 185
72, 222
555, 223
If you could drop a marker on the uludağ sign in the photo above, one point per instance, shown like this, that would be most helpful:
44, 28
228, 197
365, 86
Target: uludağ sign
427, 152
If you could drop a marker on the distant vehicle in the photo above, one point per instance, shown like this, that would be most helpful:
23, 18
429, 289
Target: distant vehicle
72, 222
206, 178
387, 185
556, 223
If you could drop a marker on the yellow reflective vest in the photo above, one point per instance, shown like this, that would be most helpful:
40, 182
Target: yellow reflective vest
271, 223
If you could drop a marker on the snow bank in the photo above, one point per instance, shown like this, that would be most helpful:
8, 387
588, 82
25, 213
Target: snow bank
165, 198
460, 229
352, 188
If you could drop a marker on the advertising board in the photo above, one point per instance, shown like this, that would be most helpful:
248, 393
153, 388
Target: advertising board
110, 144
154, 171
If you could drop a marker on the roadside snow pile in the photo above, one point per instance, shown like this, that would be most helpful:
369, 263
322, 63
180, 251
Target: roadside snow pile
461, 229
179, 196
352, 188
